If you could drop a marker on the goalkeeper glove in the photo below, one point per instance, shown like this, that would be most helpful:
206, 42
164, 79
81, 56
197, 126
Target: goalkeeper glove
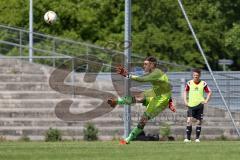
122, 71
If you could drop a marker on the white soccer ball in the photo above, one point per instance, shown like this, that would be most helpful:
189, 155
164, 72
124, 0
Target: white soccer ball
50, 17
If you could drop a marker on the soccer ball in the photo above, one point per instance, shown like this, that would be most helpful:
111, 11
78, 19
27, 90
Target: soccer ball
50, 17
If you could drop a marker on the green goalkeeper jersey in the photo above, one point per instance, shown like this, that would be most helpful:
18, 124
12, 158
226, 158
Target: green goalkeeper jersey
158, 79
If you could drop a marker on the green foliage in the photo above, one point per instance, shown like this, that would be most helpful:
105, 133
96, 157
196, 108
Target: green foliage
90, 132
3, 139
221, 138
24, 138
53, 135
165, 131
158, 27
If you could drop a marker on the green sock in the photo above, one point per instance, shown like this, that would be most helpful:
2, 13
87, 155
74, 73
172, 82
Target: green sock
125, 100
134, 133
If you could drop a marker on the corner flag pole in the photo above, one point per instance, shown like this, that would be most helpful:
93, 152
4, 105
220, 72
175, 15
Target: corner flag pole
127, 61
206, 61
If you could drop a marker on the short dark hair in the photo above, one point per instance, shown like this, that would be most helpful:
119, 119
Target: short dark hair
151, 59
197, 70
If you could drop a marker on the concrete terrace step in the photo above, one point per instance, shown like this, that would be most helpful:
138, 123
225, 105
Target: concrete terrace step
41, 130
41, 114
19, 66
74, 109
10, 62
18, 70
78, 102
32, 95
25, 86
5, 78
40, 122
44, 86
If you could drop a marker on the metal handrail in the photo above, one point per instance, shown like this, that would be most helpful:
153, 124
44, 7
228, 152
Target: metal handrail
61, 39
37, 49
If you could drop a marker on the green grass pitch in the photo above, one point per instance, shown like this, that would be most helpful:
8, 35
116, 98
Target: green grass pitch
111, 150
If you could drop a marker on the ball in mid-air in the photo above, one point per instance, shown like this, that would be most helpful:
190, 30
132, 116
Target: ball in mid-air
50, 17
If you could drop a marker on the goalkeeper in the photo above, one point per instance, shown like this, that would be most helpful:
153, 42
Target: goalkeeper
155, 99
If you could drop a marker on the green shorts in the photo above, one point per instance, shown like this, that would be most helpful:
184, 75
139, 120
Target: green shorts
155, 104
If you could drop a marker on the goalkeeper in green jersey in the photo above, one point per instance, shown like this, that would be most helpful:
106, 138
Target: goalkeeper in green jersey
155, 99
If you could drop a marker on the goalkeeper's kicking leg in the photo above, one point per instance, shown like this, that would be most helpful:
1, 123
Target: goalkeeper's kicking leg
128, 100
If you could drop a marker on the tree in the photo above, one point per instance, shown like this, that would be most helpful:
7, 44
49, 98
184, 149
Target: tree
158, 27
